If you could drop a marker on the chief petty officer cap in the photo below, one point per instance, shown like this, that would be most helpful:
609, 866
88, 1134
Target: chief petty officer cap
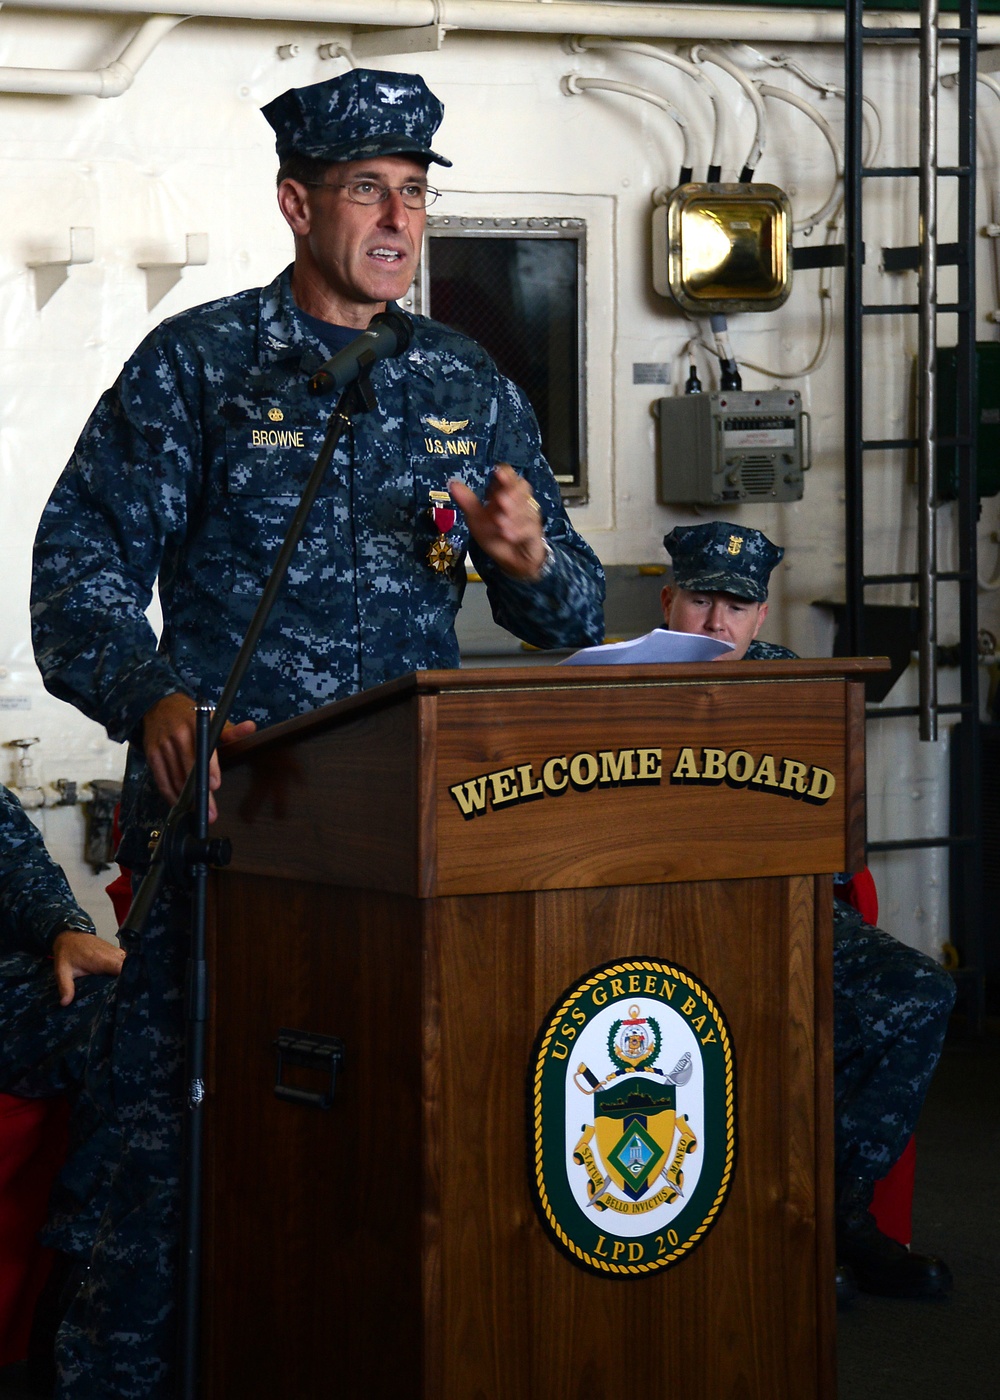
360, 113
721, 558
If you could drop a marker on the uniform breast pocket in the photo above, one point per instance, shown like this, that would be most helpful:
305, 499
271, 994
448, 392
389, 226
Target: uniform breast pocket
267, 469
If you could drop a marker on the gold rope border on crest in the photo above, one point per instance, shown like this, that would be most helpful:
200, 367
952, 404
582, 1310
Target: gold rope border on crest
664, 1259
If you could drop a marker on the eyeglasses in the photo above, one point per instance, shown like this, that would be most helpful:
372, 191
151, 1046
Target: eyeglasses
414, 196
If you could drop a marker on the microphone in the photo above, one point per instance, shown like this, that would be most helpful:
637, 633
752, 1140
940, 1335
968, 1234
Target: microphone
388, 334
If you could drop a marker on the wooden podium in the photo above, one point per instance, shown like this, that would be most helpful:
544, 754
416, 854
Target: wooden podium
424, 871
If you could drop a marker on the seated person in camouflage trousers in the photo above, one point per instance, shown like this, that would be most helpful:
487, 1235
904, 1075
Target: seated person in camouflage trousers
891, 1003
55, 976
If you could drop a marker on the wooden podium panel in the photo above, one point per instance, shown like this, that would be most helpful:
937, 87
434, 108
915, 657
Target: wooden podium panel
393, 755
673, 725
389, 1246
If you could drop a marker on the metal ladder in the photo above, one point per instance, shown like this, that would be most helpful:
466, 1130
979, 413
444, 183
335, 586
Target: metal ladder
965, 842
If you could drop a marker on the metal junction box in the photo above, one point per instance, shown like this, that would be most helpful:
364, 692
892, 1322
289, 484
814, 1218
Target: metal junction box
731, 446
724, 248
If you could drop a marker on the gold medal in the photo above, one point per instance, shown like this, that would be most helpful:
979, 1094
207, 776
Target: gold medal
441, 556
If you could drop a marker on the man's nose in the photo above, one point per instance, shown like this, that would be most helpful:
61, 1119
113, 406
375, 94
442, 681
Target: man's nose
394, 212
716, 618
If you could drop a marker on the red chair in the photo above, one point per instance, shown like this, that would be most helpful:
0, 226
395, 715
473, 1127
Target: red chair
33, 1139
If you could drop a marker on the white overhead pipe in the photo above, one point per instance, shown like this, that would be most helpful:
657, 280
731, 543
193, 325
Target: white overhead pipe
583, 42
531, 17
111, 81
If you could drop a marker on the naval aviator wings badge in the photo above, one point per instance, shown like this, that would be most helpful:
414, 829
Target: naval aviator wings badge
633, 1102
448, 425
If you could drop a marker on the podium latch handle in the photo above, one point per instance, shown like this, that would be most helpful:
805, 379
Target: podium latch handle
306, 1050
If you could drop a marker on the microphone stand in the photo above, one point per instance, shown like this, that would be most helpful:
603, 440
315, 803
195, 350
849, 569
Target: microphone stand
184, 853
196, 1013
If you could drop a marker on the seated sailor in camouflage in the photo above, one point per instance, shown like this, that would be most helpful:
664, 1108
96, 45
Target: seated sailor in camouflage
47, 943
891, 1002
187, 475
720, 578
55, 976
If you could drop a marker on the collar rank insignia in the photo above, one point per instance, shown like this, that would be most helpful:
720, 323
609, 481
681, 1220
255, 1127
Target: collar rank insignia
442, 555
634, 1104
447, 425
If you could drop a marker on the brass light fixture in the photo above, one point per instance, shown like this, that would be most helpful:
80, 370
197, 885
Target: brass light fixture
728, 247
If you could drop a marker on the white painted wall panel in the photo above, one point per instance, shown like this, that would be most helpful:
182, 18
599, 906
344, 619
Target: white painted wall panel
186, 151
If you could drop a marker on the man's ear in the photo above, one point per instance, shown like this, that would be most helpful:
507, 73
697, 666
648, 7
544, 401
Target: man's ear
293, 201
760, 619
666, 598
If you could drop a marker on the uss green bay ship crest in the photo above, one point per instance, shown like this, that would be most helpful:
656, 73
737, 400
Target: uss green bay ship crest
633, 1101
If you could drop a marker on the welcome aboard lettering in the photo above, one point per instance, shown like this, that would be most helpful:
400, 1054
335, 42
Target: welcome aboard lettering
553, 777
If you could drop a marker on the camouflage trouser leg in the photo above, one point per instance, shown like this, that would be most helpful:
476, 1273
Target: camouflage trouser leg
45, 1050
890, 1012
118, 1339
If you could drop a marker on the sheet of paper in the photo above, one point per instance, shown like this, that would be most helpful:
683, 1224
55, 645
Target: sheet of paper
654, 649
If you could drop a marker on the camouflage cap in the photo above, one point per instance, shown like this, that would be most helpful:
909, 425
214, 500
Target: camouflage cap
360, 113
721, 558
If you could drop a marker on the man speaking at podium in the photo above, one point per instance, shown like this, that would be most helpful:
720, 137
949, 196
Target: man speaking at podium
187, 474
891, 1002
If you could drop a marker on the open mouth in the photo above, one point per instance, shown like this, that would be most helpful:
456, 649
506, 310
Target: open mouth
386, 255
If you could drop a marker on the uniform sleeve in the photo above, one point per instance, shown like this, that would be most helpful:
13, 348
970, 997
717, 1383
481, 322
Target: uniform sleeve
564, 608
35, 901
123, 496
769, 651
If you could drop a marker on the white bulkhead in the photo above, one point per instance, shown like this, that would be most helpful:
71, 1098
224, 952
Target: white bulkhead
137, 178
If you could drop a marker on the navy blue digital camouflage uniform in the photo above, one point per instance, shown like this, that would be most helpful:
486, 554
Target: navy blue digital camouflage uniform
44, 1046
891, 1003
188, 471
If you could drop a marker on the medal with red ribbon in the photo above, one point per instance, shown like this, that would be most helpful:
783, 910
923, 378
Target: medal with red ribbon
441, 556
